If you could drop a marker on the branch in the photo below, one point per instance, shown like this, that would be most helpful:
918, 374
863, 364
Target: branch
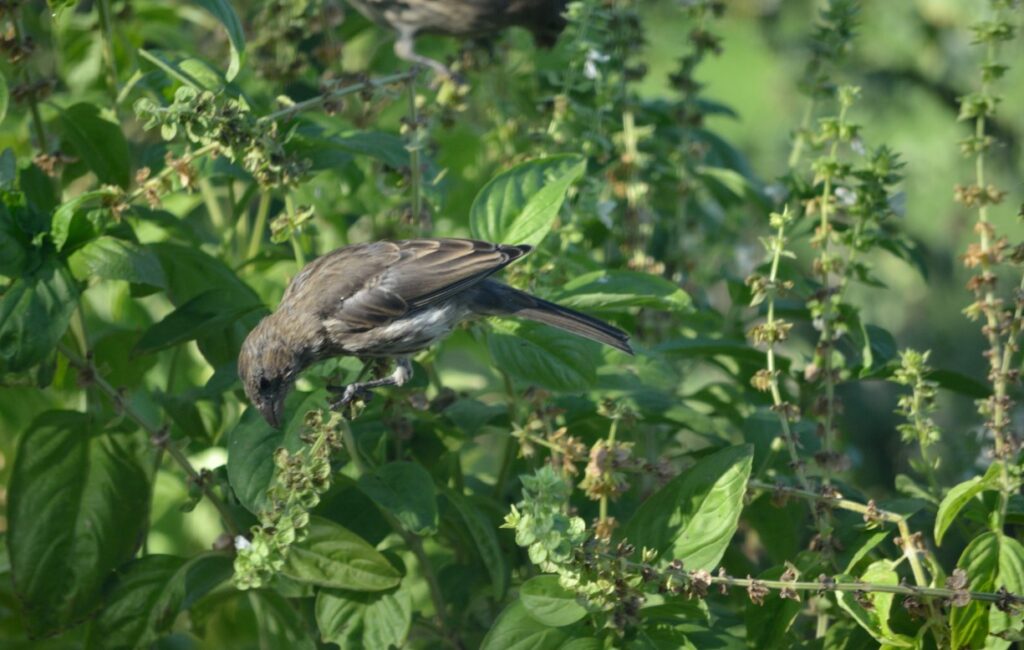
158, 435
284, 113
826, 584
319, 100
837, 501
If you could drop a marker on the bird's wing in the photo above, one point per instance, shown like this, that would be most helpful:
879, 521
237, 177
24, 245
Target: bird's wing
369, 285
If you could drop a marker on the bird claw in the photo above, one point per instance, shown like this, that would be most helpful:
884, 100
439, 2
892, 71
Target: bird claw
348, 394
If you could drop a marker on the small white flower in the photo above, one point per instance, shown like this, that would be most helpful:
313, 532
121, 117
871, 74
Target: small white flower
604, 212
241, 543
846, 196
776, 192
590, 70
858, 146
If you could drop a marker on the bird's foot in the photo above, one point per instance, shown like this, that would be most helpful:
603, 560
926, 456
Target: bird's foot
346, 395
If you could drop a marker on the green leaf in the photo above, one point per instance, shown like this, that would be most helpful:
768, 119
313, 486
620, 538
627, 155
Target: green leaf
695, 515
980, 560
960, 495
98, 142
485, 539
14, 244
34, 314
768, 625
515, 629
64, 216
148, 595
386, 147
702, 347
960, 383
876, 620
544, 356
225, 13
549, 602
252, 442
519, 206
208, 311
617, 290
1011, 576
406, 491
333, 556
78, 505
358, 620
730, 186
110, 258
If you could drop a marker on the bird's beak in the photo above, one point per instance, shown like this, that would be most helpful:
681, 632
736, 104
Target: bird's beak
273, 412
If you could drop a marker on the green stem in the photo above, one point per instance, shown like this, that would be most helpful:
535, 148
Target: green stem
415, 164
169, 170
213, 207
300, 255
509, 453
103, 8
317, 101
801, 135
603, 504
33, 103
412, 541
259, 226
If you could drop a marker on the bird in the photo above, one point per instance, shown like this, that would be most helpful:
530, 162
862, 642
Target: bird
389, 299
466, 18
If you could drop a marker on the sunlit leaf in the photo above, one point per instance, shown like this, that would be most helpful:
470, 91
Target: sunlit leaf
549, 602
333, 556
225, 13
519, 206
109, 258
544, 356
695, 515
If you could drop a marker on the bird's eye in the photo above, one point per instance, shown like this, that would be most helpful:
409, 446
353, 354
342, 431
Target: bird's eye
264, 384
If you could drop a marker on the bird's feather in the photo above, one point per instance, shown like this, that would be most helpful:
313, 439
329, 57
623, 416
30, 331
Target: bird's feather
370, 285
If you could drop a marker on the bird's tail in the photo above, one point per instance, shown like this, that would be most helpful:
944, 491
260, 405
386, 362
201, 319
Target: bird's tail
495, 299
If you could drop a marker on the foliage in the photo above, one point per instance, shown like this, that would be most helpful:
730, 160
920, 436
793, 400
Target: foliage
167, 167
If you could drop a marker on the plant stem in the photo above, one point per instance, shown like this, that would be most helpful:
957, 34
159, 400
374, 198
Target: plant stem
158, 435
603, 504
823, 585
213, 207
867, 587
415, 164
103, 9
33, 102
773, 373
167, 171
999, 356
314, 102
509, 452
259, 225
300, 255
800, 139
412, 541
835, 501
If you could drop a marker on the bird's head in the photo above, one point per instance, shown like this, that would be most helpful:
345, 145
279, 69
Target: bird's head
267, 366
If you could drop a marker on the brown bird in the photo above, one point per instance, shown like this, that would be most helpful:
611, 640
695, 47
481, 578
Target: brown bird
466, 18
389, 299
